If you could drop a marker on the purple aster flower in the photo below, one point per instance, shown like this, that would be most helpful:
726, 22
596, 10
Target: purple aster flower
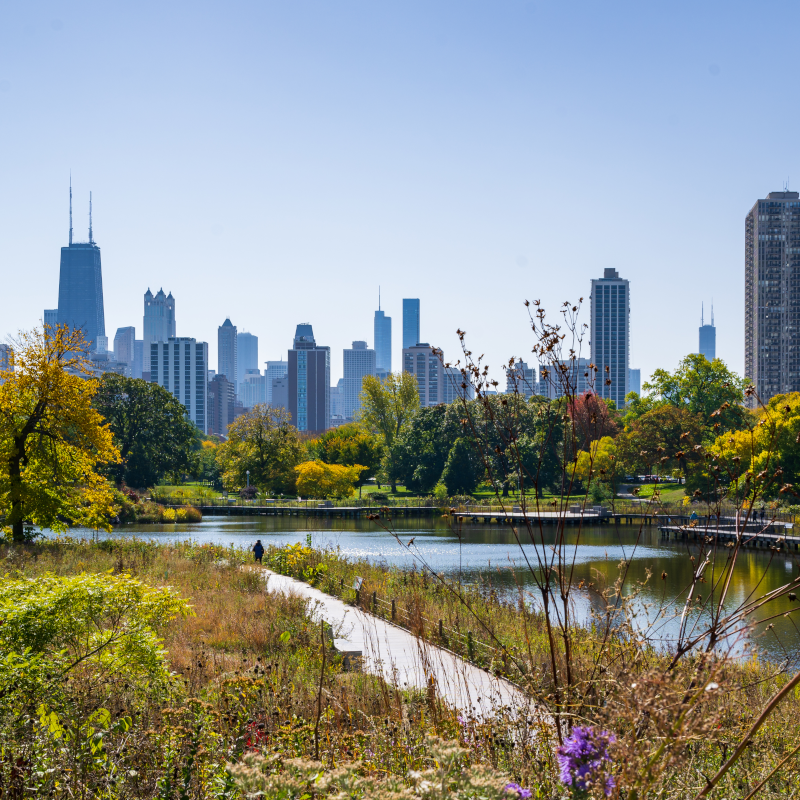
582, 759
517, 790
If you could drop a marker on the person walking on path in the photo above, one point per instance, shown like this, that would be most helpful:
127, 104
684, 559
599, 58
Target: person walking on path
258, 550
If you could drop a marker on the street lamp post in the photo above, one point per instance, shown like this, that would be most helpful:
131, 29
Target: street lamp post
248, 478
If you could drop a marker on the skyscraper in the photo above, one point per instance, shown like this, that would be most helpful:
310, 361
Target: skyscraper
521, 379
610, 335
635, 380
383, 339
358, 363
247, 355
410, 323
80, 285
427, 367
158, 323
309, 382
253, 388
50, 317
180, 365
708, 337
228, 352
221, 405
772, 295
275, 370
124, 347
138, 358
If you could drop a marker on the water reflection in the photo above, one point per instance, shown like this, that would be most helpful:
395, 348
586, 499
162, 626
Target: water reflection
490, 553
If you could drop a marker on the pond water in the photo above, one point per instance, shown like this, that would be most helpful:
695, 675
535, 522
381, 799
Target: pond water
489, 553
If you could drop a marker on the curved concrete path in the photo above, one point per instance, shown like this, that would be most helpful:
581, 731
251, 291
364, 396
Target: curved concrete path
405, 661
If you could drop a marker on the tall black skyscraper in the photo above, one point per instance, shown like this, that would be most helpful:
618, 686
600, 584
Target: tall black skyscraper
80, 286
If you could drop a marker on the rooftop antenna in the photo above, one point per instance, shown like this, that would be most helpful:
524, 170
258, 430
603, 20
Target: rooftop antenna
90, 218
70, 207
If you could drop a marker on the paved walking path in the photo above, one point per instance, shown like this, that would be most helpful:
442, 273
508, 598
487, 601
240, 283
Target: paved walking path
404, 660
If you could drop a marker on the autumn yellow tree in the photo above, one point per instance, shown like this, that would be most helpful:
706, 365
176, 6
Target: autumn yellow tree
53, 443
318, 479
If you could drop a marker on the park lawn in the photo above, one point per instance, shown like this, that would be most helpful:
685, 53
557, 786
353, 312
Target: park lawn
668, 492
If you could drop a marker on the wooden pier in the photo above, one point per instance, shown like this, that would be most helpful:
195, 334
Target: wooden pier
769, 535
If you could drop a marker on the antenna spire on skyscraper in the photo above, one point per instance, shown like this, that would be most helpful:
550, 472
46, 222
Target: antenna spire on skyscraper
70, 206
90, 218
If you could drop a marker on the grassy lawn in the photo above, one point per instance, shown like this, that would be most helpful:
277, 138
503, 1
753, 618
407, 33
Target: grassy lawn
668, 492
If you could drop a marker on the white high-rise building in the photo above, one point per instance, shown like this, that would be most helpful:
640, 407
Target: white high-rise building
572, 374
421, 362
253, 388
635, 381
456, 387
521, 379
610, 335
358, 363
180, 365
276, 370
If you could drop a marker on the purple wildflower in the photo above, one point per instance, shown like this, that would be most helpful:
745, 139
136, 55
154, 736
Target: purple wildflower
518, 790
582, 758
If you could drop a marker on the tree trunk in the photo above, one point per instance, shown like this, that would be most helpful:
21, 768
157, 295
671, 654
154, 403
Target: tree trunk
15, 479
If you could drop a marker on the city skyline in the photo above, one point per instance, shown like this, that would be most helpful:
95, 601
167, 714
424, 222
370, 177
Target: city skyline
447, 181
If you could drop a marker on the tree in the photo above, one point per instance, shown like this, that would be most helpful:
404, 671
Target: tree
661, 440
318, 479
591, 419
769, 452
463, 469
150, 427
386, 407
263, 441
702, 387
351, 444
53, 443
599, 463
420, 451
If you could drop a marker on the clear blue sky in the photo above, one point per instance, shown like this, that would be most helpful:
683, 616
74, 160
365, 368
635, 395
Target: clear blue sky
276, 161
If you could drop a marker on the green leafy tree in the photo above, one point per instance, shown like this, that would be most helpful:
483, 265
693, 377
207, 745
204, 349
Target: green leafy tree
386, 407
702, 387
664, 439
352, 444
154, 435
463, 469
420, 451
54, 446
264, 441
105, 625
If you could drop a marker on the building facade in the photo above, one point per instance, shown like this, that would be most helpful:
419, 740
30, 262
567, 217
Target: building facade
80, 289
383, 341
359, 361
635, 381
309, 382
158, 322
707, 338
50, 318
228, 352
610, 335
253, 389
280, 393
427, 367
573, 375
138, 358
5, 359
522, 379
246, 354
275, 369
455, 386
221, 405
124, 347
411, 336
180, 365
772, 295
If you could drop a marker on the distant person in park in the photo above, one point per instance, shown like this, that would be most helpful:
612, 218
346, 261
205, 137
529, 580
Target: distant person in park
258, 550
